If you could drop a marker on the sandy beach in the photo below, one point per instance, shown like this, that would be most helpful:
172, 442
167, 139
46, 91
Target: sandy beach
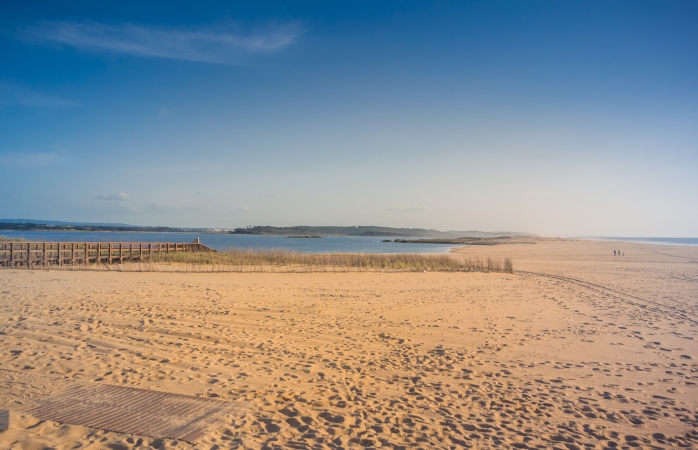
577, 349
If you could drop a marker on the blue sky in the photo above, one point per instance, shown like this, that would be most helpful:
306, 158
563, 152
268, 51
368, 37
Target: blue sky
552, 117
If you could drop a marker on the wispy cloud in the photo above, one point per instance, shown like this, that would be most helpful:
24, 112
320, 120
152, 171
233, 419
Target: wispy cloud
210, 45
161, 207
17, 95
124, 203
30, 160
118, 197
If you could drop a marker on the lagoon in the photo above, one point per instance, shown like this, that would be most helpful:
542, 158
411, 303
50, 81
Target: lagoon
222, 241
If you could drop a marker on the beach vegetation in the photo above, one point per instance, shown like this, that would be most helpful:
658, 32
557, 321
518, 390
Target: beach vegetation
249, 260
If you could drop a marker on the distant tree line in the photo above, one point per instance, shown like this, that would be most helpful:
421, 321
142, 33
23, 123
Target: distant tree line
45, 227
338, 231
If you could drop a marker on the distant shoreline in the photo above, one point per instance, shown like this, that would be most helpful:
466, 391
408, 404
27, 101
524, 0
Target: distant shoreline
294, 231
646, 240
465, 240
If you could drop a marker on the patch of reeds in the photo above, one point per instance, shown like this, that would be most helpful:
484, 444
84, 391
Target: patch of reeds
239, 260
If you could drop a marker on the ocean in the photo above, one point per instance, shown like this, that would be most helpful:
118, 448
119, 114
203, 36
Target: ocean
652, 240
329, 244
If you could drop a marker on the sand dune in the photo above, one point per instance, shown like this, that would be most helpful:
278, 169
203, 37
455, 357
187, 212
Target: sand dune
603, 355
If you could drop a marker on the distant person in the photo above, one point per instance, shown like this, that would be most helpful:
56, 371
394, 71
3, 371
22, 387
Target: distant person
614, 253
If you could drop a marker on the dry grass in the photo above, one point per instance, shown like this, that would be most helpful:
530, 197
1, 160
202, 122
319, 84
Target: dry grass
13, 239
286, 261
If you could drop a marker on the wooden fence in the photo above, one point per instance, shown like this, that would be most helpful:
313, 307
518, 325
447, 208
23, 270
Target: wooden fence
13, 254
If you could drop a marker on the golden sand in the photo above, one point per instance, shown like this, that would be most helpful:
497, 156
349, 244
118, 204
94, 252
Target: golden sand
603, 355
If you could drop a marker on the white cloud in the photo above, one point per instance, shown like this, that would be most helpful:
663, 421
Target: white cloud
118, 197
212, 45
14, 94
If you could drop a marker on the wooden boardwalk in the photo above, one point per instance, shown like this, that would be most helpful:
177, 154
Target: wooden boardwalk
30, 254
135, 411
4, 419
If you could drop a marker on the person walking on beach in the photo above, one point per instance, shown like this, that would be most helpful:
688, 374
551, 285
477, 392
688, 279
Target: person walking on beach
614, 253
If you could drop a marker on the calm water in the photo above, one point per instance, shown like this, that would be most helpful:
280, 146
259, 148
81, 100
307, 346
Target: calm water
331, 244
653, 240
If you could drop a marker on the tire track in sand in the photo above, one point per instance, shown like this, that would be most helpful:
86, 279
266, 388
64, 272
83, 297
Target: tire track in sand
683, 277
629, 299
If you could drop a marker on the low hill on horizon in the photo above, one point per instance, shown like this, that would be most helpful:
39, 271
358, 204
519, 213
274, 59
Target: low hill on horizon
64, 223
302, 230
371, 231
48, 225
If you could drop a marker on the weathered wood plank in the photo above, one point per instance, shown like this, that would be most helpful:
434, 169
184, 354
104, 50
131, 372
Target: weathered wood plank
135, 411
4, 419
51, 253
